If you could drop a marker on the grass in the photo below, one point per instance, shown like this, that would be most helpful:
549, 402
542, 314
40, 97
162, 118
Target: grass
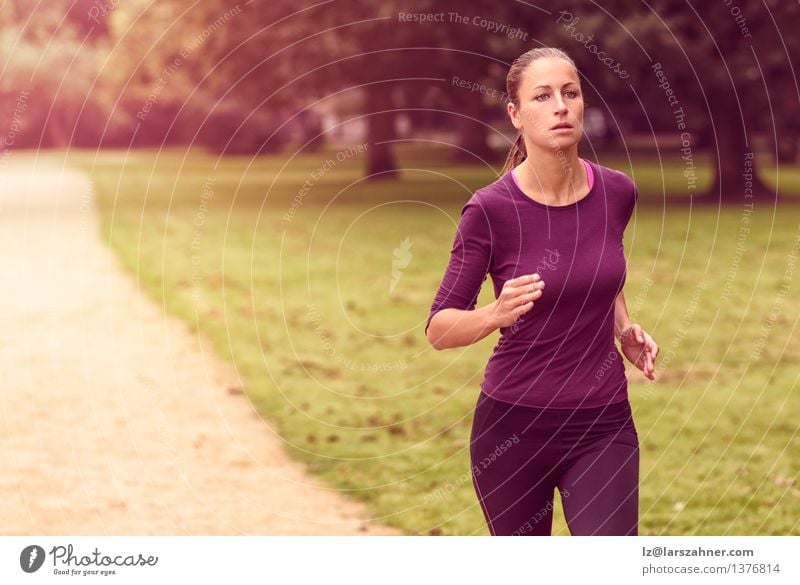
334, 355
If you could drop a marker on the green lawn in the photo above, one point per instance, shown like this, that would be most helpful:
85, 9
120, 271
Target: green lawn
331, 342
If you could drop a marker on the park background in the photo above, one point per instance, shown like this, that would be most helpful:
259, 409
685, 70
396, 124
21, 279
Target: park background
286, 179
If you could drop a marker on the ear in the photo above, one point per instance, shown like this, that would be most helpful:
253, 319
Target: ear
513, 113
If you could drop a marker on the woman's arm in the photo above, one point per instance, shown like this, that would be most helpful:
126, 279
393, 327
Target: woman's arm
453, 320
456, 327
470, 260
621, 317
453, 327
637, 345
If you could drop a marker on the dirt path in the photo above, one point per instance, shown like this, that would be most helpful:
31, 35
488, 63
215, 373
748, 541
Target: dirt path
116, 419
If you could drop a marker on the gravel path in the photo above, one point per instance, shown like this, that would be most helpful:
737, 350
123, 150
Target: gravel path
115, 418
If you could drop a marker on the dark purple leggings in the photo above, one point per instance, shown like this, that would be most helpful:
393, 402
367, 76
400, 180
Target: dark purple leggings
520, 454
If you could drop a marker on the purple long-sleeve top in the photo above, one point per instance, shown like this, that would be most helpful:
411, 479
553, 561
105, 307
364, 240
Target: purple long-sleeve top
561, 353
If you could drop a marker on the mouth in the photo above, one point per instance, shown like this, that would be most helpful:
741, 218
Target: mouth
562, 125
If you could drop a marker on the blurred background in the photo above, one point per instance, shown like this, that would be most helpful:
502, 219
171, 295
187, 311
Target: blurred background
265, 77
287, 177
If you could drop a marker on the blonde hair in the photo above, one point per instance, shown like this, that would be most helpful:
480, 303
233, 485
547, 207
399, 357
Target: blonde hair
513, 81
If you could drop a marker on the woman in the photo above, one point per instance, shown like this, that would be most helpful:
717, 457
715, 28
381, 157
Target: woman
553, 411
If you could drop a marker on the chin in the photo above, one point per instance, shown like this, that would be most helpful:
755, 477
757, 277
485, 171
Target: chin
562, 142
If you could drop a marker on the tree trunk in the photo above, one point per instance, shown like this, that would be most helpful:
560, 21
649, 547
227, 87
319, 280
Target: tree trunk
58, 135
380, 131
788, 146
736, 179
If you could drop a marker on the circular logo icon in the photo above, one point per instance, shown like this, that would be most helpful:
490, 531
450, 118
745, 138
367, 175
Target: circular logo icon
31, 558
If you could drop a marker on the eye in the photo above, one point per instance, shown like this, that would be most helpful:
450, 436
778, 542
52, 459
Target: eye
572, 93
543, 95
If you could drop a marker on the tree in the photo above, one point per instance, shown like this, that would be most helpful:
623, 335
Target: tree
280, 54
731, 63
49, 64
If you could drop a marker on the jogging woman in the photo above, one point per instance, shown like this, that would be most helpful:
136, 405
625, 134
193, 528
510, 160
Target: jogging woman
553, 411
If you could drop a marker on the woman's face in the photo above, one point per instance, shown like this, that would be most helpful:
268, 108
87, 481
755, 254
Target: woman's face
549, 94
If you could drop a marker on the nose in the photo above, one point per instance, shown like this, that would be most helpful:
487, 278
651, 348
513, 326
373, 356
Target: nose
560, 104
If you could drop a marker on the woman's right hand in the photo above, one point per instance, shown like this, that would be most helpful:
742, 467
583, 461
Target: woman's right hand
516, 298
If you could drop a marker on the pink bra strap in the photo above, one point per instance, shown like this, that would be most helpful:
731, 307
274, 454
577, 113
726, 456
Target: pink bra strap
589, 172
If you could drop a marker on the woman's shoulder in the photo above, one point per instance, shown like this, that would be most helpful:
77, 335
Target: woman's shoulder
494, 193
613, 178
490, 203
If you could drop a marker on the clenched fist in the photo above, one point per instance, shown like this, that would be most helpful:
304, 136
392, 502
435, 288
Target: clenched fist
516, 299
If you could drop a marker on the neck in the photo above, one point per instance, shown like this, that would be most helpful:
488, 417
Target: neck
557, 177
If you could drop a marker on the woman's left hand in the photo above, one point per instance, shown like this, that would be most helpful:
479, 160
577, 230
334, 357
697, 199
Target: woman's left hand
640, 349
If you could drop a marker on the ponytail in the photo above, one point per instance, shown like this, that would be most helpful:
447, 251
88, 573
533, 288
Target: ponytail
516, 154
